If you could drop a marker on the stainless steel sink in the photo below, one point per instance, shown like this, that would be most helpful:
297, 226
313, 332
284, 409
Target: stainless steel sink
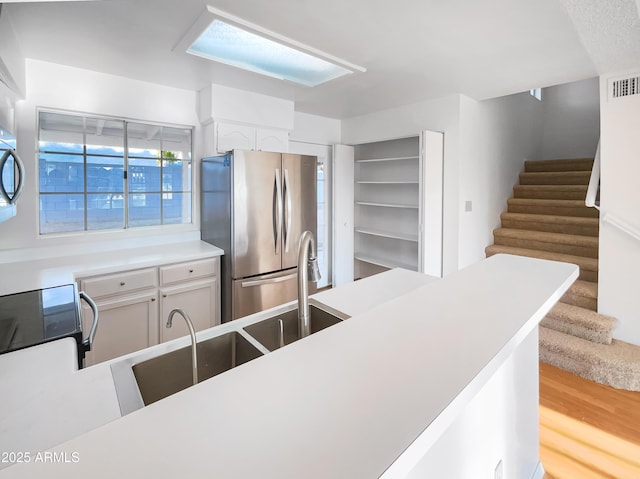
282, 329
169, 373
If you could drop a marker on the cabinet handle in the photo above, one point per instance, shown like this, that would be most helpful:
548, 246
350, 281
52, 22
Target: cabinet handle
164, 295
153, 299
190, 271
122, 283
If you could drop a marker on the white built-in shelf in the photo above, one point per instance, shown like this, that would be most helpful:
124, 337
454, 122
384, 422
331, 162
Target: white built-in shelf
387, 205
388, 234
385, 262
374, 160
416, 182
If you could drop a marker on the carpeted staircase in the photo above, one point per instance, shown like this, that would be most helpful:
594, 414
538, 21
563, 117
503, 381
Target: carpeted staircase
547, 218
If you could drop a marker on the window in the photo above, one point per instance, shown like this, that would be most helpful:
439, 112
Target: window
100, 173
536, 93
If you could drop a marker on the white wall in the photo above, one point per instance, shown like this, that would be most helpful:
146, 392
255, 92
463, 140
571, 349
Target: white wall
496, 137
316, 129
60, 87
620, 197
571, 120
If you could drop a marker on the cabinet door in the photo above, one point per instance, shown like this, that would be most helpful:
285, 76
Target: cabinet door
126, 324
197, 299
231, 137
268, 139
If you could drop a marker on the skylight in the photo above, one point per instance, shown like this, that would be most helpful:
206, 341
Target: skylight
233, 41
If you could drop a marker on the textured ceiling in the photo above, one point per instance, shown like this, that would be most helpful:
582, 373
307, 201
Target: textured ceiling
413, 49
609, 30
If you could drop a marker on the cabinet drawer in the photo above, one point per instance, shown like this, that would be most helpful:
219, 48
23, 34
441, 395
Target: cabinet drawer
120, 283
186, 271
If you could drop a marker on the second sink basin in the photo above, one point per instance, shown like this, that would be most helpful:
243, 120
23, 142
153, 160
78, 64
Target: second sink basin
169, 373
272, 335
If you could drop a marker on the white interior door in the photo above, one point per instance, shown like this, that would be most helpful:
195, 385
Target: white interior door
431, 202
343, 214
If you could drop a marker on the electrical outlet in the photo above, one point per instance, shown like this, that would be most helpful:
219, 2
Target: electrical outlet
497, 473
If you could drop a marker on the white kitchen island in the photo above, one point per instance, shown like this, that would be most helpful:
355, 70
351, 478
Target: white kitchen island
440, 381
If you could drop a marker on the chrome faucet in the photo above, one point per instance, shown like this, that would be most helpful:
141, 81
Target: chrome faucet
307, 271
194, 354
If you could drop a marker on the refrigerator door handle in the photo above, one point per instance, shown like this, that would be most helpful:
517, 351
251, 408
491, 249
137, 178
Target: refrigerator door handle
287, 191
277, 210
260, 282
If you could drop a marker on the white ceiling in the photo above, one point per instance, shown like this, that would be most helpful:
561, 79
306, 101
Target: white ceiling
412, 49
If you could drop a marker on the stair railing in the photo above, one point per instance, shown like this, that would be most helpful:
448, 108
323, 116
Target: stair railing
594, 182
609, 219
592, 201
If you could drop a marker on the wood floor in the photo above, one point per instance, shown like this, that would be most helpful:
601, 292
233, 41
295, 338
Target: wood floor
587, 430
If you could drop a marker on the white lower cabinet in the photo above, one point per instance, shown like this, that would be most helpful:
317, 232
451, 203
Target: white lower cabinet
134, 305
197, 299
128, 323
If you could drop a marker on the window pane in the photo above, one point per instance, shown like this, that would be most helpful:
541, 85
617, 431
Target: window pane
105, 211
144, 209
61, 173
176, 175
105, 174
176, 208
61, 133
176, 143
60, 213
104, 137
144, 141
144, 175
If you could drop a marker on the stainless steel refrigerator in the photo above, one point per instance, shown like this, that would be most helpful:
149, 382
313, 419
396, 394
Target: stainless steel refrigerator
255, 205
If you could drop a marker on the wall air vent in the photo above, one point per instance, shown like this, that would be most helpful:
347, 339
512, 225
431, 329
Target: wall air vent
625, 87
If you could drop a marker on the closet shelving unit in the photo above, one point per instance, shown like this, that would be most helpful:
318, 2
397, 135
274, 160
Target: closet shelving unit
387, 206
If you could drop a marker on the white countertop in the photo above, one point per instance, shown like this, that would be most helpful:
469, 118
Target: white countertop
355, 400
44, 273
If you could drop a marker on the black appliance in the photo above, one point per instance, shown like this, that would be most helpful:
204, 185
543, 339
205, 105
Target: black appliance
39, 316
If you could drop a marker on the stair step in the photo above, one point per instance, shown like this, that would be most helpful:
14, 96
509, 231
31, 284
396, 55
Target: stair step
553, 224
583, 294
555, 178
588, 266
551, 192
551, 207
572, 164
576, 245
616, 364
580, 322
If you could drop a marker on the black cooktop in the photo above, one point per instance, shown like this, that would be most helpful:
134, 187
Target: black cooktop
35, 317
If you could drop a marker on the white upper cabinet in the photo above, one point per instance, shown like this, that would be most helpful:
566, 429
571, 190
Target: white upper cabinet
244, 120
269, 139
230, 137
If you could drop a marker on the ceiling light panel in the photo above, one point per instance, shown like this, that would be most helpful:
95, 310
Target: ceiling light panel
230, 40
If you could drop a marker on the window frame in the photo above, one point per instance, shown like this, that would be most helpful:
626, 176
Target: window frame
126, 165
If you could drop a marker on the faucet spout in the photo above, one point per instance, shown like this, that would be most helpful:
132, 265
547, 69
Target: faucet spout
194, 354
307, 271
